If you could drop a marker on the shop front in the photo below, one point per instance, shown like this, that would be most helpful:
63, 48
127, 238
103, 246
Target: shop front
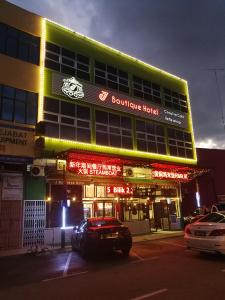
144, 197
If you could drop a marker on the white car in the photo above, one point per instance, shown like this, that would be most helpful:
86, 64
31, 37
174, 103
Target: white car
207, 234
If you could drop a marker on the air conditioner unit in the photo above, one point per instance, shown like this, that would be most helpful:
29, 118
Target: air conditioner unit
129, 172
37, 170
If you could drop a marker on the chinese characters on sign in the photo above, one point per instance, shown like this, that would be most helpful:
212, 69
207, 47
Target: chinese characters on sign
93, 168
124, 190
170, 175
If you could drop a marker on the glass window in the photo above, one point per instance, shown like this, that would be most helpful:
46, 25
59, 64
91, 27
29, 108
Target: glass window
101, 117
67, 109
7, 109
67, 132
31, 112
83, 112
11, 47
18, 105
51, 105
101, 138
20, 111
114, 120
18, 44
83, 135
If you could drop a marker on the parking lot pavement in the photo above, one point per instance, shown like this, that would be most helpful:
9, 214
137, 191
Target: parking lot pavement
154, 235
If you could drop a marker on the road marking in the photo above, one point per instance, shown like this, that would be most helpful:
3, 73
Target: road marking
144, 259
67, 264
136, 255
63, 277
173, 244
150, 294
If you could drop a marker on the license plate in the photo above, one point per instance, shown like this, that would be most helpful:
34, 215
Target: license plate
109, 235
200, 233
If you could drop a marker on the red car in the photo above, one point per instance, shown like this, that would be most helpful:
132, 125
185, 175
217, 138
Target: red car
100, 234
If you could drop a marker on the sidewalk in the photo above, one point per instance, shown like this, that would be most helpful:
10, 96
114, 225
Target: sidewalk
155, 235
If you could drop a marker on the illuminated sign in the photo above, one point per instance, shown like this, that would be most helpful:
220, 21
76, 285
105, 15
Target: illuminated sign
93, 168
170, 175
123, 190
113, 100
72, 88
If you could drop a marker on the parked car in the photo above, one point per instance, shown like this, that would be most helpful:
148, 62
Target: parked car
191, 219
100, 234
218, 207
207, 234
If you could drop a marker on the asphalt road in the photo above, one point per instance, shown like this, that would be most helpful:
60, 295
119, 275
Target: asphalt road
159, 269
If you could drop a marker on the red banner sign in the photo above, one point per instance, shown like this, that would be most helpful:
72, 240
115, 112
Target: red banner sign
170, 175
123, 190
93, 168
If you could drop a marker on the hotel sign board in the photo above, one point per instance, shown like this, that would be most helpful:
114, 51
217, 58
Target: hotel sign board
75, 90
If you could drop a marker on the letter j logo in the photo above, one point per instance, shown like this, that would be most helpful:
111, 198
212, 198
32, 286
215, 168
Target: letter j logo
103, 95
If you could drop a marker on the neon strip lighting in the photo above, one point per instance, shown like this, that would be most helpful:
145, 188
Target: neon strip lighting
66, 227
62, 144
197, 196
42, 66
117, 52
63, 217
190, 121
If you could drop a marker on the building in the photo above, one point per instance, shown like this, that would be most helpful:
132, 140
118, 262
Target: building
113, 135
210, 184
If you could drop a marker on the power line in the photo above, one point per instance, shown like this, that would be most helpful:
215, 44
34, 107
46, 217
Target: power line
215, 70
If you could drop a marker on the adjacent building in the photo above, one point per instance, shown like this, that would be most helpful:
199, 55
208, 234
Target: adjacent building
86, 130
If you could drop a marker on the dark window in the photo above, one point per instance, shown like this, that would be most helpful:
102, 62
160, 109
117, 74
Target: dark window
175, 100
52, 130
150, 137
66, 61
83, 112
113, 130
83, 135
51, 105
18, 44
177, 143
67, 132
101, 117
18, 105
67, 109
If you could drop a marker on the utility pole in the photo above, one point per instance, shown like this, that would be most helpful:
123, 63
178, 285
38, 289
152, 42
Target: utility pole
215, 71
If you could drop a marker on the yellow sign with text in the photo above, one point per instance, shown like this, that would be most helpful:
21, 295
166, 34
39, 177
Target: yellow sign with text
16, 142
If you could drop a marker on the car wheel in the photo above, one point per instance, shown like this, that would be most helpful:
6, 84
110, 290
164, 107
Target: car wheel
125, 251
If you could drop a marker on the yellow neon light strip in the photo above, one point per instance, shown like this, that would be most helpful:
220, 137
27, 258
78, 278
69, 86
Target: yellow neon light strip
42, 66
190, 121
52, 143
118, 52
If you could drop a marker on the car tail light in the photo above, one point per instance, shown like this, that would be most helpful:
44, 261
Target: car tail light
187, 230
217, 232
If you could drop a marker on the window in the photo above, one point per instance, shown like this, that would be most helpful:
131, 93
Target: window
180, 143
66, 61
174, 100
150, 137
146, 90
111, 77
67, 120
19, 44
113, 130
18, 105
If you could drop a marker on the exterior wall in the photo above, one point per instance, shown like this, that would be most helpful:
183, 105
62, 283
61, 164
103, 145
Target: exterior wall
16, 138
19, 18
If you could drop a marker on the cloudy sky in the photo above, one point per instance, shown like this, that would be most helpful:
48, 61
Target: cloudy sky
183, 37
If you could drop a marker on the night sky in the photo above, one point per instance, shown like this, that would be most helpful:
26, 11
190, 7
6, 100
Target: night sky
183, 37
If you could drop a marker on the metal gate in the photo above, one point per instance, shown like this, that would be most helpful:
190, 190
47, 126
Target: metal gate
34, 223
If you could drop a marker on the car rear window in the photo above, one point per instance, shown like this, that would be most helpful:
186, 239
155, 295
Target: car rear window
214, 218
100, 223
